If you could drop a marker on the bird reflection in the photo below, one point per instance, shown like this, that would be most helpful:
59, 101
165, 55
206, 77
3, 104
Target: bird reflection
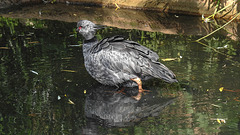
106, 107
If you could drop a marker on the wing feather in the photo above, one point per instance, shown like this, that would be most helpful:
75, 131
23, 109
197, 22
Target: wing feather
120, 55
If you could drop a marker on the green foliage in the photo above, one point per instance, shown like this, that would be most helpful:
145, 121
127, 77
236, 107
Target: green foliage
225, 45
9, 22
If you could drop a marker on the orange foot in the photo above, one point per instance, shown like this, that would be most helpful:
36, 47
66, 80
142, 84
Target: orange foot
119, 91
139, 95
143, 91
140, 89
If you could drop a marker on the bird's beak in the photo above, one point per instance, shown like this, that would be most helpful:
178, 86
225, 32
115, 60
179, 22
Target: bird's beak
77, 30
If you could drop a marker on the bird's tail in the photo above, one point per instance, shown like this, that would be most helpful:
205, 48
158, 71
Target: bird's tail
161, 71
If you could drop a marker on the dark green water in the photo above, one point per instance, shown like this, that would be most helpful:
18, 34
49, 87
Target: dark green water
42, 75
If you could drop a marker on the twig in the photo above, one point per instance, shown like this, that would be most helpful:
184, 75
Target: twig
220, 10
219, 27
214, 49
228, 56
215, 12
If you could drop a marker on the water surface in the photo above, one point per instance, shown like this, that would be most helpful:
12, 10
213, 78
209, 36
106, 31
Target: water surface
45, 89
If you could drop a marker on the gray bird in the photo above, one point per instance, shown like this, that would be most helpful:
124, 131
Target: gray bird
118, 62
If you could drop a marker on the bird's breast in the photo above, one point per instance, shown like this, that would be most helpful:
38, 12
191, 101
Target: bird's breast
95, 68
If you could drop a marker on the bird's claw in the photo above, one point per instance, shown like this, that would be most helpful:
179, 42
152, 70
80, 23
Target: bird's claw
143, 91
138, 96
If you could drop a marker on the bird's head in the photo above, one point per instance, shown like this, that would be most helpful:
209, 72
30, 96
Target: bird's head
87, 29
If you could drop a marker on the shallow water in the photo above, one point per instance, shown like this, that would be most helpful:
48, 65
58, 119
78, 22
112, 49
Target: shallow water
45, 88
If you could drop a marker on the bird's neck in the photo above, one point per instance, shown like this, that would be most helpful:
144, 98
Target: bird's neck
88, 35
88, 44
92, 40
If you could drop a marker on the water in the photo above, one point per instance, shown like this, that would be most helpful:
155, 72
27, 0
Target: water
45, 88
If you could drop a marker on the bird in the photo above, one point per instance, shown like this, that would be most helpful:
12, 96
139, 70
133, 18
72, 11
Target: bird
117, 110
116, 61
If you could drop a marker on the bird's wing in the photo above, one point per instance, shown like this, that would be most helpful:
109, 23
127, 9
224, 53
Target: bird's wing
119, 43
120, 55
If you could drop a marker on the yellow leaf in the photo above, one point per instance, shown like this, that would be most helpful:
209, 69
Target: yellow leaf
169, 59
4, 48
218, 121
116, 6
70, 102
221, 89
72, 71
65, 95
84, 91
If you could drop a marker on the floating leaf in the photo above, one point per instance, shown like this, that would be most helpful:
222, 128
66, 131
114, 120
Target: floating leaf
4, 48
72, 71
69, 80
236, 99
116, 6
34, 72
70, 102
232, 90
74, 45
32, 114
206, 20
169, 59
224, 47
221, 89
223, 121
215, 105
218, 121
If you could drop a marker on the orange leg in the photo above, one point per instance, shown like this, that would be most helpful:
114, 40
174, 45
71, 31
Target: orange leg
140, 89
119, 91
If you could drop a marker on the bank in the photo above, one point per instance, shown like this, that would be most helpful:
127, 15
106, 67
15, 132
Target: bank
188, 7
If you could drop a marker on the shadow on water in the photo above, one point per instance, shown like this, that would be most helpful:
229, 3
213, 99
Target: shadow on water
105, 107
45, 89
153, 21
